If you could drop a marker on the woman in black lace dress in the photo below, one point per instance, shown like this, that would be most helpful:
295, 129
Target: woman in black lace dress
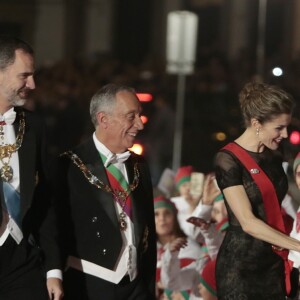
247, 268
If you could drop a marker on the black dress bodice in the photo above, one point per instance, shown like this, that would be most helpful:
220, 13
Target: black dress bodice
247, 268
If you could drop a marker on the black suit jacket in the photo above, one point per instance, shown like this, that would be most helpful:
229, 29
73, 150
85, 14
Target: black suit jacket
38, 218
88, 216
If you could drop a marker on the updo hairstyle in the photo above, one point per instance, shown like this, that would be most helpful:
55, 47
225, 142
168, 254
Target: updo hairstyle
264, 102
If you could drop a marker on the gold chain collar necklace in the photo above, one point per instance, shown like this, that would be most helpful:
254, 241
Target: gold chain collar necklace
6, 151
119, 195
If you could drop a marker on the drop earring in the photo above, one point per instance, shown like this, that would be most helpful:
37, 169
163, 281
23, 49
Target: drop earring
257, 131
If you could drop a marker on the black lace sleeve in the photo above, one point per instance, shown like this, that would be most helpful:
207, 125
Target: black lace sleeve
228, 170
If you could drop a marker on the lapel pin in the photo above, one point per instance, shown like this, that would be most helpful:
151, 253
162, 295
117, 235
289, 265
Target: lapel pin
254, 171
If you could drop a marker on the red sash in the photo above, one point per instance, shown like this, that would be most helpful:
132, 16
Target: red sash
118, 182
271, 203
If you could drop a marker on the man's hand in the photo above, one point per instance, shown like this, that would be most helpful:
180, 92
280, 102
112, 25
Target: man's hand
55, 289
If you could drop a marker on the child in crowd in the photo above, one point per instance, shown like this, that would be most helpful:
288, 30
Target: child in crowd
210, 206
175, 253
185, 202
212, 210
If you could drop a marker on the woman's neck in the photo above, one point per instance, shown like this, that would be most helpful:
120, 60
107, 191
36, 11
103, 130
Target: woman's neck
249, 141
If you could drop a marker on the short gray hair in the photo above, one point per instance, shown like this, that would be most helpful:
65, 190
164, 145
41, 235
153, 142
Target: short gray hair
105, 99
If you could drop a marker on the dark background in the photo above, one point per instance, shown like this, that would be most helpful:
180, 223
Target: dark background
137, 58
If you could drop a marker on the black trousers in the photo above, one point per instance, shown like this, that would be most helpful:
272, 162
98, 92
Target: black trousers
81, 286
21, 274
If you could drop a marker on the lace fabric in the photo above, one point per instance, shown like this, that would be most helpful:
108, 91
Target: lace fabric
247, 268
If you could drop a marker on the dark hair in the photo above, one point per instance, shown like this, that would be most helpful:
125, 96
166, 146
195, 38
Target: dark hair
8, 46
105, 98
264, 102
177, 230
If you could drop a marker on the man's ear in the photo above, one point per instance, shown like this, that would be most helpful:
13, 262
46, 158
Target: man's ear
102, 119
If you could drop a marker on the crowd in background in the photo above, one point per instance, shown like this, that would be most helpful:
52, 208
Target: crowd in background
190, 220
64, 89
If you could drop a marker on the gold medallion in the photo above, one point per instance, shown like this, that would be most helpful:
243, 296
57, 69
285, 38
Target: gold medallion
6, 173
6, 150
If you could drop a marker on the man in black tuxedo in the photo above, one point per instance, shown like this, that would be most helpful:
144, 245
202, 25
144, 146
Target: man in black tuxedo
107, 214
28, 246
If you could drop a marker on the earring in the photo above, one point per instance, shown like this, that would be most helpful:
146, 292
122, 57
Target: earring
257, 131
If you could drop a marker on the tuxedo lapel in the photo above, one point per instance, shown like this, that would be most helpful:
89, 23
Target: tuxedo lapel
137, 203
27, 154
91, 158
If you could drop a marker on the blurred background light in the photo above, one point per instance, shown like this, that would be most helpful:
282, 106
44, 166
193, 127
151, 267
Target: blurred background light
220, 136
295, 137
277, 71
137, 149
144, 97
144, 119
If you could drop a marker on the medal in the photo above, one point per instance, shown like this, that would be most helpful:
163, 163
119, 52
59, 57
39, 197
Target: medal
6, 173
122, 222
121, 197
6, 151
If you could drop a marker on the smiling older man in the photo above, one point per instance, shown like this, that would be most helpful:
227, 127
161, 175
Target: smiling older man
106, 200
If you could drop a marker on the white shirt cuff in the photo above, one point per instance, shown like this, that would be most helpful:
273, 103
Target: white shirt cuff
55, 273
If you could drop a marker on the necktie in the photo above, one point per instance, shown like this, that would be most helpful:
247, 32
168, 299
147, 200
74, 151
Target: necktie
12, 202
114, 158
8, 118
